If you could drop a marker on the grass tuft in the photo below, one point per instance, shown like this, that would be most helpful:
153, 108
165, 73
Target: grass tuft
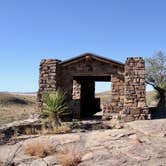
70, 155
56, 130
38, 148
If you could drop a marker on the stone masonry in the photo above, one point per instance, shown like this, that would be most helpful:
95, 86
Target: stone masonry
77, 77
48, 77
134, 90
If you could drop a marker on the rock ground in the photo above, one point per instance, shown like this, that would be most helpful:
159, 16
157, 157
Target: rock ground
138, 143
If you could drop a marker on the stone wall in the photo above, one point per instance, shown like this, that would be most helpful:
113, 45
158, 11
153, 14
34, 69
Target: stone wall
134, 90
128, 84
72, 84
117, 92
49, 80
76, 89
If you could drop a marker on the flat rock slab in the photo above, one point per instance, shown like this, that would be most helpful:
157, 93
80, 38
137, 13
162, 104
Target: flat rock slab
138, 143
150, 127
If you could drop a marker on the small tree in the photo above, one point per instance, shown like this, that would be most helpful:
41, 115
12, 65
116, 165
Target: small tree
156, 75
53, 105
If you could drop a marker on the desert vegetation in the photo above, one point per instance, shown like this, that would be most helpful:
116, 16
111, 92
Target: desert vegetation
69, 144
96, 147
16, 107
62, 129
67, 155
70, 155
38, 148
53, 106
156, 76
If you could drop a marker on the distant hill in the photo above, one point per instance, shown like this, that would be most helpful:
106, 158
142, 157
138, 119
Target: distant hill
23, 93
104, 96
150, 97
17, 106
14, 106
16, 98
105, 93
27, 98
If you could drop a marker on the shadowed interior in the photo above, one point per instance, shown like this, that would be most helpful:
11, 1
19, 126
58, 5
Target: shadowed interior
88, 103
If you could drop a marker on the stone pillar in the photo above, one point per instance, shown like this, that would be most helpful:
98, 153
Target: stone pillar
117, 97
48, 78
73, 96
117, 92
75, 102
134, 91
76, 89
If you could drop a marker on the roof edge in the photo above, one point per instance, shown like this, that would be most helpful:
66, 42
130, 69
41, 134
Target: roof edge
65, 62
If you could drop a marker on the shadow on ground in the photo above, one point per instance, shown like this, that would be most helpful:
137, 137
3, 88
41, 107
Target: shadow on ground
158, 113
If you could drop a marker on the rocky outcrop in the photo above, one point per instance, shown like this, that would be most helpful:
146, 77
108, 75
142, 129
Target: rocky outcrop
28, 126
135, 144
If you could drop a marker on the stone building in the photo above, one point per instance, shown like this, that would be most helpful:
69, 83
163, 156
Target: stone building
77, 77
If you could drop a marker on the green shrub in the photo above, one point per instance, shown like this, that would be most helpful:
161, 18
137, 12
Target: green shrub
54, 104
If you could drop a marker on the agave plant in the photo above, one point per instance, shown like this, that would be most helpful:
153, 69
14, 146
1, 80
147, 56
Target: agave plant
54, 104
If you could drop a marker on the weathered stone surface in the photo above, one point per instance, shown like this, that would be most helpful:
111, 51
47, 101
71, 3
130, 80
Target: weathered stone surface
50, 160
153, 128
134, 91
49, 71
135, 144
16, 128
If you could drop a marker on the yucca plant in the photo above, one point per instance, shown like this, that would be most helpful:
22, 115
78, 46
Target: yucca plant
54, 104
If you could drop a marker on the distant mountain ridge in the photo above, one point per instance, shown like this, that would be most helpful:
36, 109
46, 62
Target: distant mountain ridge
150, 97
19, 93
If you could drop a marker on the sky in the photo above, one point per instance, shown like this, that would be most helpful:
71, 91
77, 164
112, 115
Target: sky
31, 30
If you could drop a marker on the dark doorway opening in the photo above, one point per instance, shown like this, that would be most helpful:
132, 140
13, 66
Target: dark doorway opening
89, 105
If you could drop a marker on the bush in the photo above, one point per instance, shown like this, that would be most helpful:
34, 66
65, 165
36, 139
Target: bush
70, 155
56, 130
53, 106
38, 148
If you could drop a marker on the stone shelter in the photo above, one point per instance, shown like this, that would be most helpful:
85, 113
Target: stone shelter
77, 77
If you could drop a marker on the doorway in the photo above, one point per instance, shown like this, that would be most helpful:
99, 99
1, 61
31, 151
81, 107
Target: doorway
89, 104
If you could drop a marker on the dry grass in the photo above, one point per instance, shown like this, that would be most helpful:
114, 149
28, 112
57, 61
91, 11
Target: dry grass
56, 130
38, 148
20, 106
70, 155
16, 107
67, 155
29, 131
12, 113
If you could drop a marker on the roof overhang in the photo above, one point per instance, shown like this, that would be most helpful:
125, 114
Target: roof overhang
90, 56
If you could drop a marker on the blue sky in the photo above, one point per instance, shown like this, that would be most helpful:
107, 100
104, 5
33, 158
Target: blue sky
31, 30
